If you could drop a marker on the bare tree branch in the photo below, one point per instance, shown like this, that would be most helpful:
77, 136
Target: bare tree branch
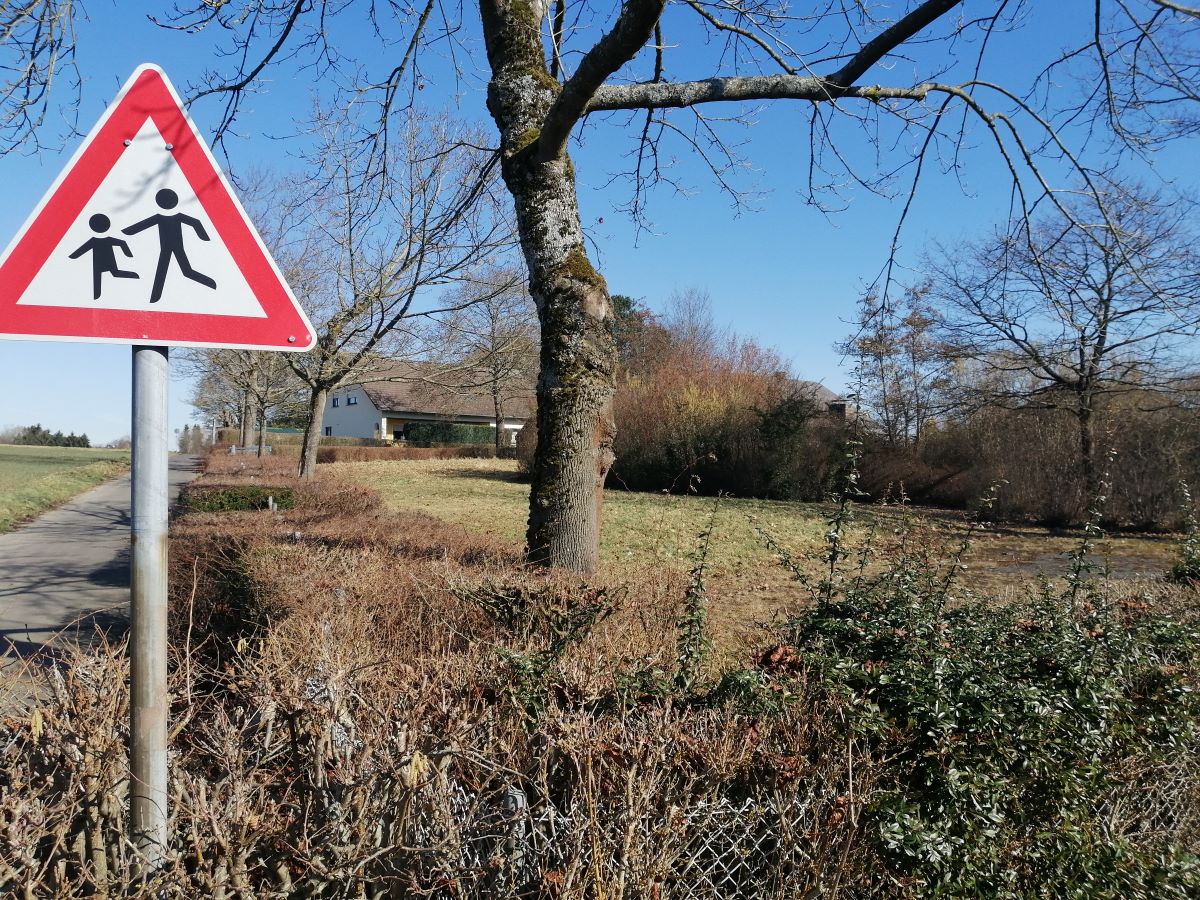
633, 28
664, 95
1192, 11
37, 46
890, 38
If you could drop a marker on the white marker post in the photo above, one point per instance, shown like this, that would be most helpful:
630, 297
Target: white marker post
149, 702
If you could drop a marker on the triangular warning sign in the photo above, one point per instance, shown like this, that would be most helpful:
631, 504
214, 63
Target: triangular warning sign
141, 241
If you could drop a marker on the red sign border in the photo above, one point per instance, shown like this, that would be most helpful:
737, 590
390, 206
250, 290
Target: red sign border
148, 94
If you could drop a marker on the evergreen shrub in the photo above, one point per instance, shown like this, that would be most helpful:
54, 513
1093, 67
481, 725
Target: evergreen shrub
428, 434
236, 498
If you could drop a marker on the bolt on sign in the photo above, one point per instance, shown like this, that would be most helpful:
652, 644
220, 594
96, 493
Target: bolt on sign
142, 241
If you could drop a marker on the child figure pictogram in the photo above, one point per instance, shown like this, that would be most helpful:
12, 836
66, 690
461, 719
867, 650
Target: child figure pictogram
170, 241
103, 250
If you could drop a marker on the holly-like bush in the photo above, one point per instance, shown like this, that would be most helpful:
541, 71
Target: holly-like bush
1018, 745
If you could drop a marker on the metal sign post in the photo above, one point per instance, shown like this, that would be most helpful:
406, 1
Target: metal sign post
129, 246
148, 643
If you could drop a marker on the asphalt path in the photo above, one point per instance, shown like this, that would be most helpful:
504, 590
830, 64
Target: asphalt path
66, 573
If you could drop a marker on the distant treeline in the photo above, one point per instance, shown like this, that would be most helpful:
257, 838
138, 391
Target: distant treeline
700, 410
36, 435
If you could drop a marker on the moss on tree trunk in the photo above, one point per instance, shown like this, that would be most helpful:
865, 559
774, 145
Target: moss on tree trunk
578, 356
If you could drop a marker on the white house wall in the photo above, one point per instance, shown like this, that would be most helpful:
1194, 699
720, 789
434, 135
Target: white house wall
362, 419
359, 420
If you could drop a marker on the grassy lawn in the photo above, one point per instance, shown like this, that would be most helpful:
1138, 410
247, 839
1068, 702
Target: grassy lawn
639, 528
746, 583
34, 479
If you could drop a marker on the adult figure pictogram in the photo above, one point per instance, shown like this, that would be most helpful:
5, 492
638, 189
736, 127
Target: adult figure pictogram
170, 241
103, 250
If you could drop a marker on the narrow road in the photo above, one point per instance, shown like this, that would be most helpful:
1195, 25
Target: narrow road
68, 570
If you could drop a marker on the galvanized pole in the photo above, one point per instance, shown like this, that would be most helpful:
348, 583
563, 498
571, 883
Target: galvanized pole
148, 647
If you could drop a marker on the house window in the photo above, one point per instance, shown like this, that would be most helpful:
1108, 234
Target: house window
352, 400
328, 431
335, 402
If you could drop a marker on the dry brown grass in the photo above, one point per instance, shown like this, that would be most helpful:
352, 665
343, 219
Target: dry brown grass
247, 466
345, 726
320, 766
349, 719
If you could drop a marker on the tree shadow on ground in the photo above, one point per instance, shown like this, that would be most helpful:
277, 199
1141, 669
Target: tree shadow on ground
487, 475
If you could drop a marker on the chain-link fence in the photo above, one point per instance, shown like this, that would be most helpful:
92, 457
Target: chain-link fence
755, 848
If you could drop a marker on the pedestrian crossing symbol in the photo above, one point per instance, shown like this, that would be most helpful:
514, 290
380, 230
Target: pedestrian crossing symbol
141, 240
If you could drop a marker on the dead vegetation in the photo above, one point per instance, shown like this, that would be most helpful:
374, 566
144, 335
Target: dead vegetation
377, 454
343, 727
377, 703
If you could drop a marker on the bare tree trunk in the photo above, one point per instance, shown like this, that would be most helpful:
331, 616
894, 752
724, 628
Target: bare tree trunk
244, 424
1087, 455
312, 432
498, 409
578, 356
262, 430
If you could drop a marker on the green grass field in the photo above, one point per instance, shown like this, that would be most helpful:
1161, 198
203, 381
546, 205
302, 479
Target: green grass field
647, 530
639, 528
34, 479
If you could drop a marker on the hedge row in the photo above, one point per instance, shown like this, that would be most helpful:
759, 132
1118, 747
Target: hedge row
235, 497
373, 454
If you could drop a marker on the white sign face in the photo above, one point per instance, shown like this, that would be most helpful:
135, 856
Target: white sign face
142, 241
112, 256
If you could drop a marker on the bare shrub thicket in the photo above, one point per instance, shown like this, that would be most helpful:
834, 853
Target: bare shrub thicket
343, 726
373, 704
1147, 445
699, 407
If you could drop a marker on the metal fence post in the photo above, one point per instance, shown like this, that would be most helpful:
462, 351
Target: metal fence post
148, 642
516, 812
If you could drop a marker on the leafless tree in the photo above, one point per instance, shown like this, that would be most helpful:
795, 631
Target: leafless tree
901, 367
489, 344
1068, 311
912, 79
213, 397
262, 379
240, 385
379, 242
37, 53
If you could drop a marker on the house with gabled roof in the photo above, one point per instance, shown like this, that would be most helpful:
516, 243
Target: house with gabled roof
384, 407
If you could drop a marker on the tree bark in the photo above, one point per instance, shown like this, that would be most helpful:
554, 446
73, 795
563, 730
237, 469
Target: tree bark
312, 433
498, 409
1087, 456
262, 430
244, 424
578, 357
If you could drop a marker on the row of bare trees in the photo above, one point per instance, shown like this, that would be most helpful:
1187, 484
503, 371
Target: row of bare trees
483, 345
394, 258
931, 84
1087, 320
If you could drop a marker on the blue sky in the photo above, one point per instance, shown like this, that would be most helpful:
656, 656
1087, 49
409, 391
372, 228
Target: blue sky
780, 271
